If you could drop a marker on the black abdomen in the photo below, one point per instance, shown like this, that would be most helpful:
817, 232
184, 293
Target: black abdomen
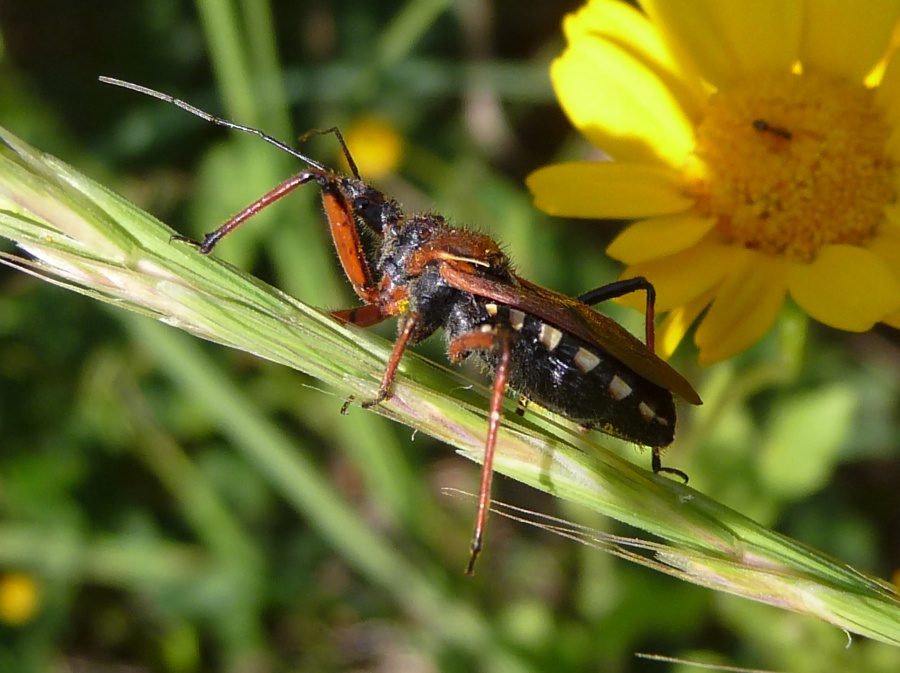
568, 376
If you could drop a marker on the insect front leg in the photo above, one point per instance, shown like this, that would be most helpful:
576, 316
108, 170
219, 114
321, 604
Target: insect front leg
362, 316
407, 328
210, 240
487, 337
391, 301
345, 235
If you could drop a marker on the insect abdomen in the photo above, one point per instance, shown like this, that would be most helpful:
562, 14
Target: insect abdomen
582, 382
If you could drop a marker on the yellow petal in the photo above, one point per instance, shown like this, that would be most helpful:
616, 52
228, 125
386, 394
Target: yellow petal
887, 247
875, 77
847, 287
684, 276
659, 237
621, 105
745, 307
887, 94
624, 26
677, 322
607, 190
729, 41
847, 38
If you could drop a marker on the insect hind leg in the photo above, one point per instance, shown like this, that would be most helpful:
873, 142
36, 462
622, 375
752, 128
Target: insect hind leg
486, 337
619, 289
657, 465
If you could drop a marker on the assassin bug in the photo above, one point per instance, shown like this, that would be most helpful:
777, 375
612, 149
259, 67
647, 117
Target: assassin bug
552, 349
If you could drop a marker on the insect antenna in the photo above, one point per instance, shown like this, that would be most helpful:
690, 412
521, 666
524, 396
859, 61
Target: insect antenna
231, 125
340, 138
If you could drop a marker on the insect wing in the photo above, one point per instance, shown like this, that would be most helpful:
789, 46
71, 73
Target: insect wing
581, 321
592, 326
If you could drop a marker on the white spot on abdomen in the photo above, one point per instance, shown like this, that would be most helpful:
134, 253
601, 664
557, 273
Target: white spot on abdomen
619, 390
586, 361
549, 336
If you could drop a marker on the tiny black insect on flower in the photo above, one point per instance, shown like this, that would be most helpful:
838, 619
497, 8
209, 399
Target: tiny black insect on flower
763, 126
550, 348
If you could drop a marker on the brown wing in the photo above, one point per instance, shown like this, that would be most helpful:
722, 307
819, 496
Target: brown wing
578, 319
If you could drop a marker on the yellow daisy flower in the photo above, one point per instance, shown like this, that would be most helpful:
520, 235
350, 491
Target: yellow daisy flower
757, 143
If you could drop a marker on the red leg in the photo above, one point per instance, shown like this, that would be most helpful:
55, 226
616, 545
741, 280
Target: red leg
362, 316
478, 340
391, 301
341, 221
212, 238
345, 234
407, 327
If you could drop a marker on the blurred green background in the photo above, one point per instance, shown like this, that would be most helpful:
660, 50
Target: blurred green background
135, 536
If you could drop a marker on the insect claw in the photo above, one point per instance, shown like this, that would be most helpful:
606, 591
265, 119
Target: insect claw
375, 401
204, 247
365, 404
658, 468
674, 470
184, 239
474, 552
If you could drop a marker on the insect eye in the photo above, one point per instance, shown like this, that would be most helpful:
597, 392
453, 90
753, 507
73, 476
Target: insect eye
369, 211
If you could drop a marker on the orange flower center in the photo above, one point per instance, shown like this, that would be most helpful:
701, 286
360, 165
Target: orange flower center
789, 163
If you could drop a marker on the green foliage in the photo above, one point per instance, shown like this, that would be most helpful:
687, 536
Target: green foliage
183, 507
